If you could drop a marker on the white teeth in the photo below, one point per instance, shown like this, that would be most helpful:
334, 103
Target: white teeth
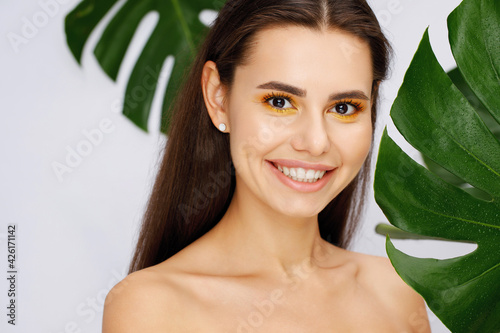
301, 174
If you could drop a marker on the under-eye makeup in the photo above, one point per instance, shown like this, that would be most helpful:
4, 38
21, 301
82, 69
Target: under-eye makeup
279, 102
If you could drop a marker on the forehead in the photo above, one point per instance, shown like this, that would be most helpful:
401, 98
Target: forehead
312, 59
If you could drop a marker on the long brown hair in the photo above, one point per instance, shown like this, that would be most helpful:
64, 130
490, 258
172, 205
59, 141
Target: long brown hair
196, 182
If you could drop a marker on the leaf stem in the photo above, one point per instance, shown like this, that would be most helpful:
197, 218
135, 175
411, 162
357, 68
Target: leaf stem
385, 229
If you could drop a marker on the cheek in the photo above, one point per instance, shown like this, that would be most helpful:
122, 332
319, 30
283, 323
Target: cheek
246, 140
254, 134
241, 128
354, 144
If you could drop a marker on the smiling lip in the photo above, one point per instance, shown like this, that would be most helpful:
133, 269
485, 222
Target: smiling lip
302, 186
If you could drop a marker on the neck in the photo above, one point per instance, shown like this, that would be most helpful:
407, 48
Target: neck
263, 240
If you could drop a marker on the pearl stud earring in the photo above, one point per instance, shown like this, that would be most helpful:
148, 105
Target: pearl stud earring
222, 127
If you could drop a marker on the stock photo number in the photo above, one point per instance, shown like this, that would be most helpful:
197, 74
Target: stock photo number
11, 273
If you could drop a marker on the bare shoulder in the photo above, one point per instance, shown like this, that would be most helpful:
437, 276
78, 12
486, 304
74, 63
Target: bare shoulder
145, 301
379, 276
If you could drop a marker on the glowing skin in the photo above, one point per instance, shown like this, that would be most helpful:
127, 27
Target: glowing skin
321, 96
299, 120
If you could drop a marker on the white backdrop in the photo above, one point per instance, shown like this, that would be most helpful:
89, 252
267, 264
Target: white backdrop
76, 231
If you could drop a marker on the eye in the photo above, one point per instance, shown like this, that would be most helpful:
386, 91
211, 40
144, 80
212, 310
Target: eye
345, 109
279, 103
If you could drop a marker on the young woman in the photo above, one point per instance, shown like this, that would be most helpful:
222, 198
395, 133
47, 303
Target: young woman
260, 188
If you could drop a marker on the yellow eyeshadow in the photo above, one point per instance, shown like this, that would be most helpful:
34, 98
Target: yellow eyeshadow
359, 106
346, 118
289, 110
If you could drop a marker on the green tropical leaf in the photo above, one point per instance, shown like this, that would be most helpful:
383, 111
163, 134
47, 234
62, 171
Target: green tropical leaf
459, 81
176, 33
435, 117
474, 39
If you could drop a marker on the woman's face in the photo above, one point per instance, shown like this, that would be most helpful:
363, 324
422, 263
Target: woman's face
299, 114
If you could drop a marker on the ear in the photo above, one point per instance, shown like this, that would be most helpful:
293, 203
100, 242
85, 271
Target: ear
214, 95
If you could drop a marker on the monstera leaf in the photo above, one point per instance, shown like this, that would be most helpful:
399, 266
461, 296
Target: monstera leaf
437, 119
176, 33
459, 81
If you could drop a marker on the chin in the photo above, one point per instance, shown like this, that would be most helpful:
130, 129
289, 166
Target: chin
300, 210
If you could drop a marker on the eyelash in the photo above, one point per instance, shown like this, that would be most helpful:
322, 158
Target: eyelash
267, 98
357, 105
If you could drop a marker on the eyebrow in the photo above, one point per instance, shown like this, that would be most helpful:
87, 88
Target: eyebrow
355, 94
283, 87
275, 85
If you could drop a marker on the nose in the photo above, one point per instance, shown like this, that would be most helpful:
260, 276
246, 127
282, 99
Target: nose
311, 135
